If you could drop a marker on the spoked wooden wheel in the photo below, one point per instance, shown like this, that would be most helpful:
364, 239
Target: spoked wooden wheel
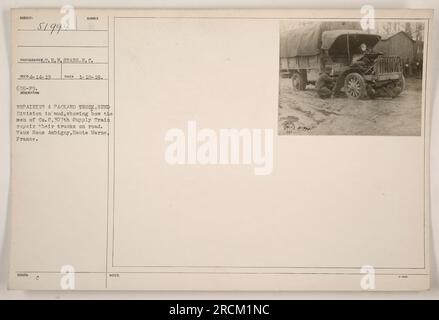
355, 86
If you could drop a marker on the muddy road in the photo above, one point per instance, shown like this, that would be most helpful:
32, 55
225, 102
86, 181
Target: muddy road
304, 113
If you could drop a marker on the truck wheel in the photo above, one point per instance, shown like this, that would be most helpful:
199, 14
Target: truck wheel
299, 81
355, 86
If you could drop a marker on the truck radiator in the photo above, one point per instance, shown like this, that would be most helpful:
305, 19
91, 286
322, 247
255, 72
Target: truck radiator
387, 64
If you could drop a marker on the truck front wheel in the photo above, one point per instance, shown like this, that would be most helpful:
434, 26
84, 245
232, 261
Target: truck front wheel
355, 86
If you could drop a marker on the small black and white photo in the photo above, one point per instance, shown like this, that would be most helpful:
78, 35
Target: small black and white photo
338, 79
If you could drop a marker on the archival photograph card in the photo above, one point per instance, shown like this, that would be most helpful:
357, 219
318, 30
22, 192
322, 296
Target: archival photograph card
267, 150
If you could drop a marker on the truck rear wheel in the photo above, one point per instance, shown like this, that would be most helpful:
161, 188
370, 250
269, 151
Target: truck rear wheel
355, 86
298, 80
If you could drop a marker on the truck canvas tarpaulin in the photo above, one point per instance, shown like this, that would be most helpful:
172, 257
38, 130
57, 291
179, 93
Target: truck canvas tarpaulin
307, 40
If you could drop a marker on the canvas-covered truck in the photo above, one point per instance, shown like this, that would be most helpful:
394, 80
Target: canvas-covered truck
338, 60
